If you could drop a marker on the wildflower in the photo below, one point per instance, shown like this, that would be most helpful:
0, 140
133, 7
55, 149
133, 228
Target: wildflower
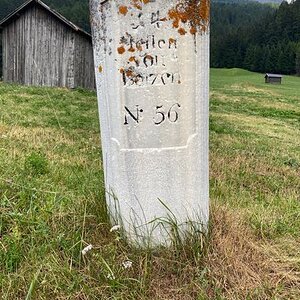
115, 228
87, 249
111, 276
127, 264
9, 181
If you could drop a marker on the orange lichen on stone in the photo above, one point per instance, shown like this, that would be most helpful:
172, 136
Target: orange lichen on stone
129, 73
182, 31
194, 12
133, 59
138, 3
123, 10
172, 41
131, 49
121, 50
193, 30
173, 15
204, 10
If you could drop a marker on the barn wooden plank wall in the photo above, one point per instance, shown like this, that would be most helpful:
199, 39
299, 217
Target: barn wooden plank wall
84, 63
39, 49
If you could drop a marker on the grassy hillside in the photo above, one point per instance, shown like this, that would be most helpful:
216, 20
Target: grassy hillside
52, 201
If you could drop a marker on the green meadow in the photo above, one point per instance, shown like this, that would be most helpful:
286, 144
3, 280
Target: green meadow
52, 201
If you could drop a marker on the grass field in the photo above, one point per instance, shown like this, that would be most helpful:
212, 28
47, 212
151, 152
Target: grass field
52, 201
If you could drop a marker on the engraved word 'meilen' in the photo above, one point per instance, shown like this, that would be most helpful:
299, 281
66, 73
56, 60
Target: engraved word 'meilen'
151, 42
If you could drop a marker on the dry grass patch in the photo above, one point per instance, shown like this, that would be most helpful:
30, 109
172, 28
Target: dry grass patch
221, 96
249, 88
50, 141
39, 137
271, 128
241, 266
278, 105
284, 254
235, 264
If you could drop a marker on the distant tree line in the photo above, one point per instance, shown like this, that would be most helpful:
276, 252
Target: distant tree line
256, 37
244, 34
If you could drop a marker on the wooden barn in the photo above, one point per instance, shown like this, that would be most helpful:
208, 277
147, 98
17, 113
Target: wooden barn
43, 48
273, 78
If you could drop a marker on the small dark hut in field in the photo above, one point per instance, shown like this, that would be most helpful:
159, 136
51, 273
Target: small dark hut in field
273, 78
42, 48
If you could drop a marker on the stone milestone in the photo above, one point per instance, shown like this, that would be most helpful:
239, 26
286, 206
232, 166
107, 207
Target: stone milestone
152, 63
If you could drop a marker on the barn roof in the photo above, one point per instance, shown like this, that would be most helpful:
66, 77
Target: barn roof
273, 75
15, 14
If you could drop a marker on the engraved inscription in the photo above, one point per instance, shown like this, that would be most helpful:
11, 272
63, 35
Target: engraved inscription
146, 63
129, 78
134, 115
172, 115
156, 69
148, 53
161, 114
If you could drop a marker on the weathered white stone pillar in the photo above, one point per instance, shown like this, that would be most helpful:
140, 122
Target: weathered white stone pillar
152, 71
